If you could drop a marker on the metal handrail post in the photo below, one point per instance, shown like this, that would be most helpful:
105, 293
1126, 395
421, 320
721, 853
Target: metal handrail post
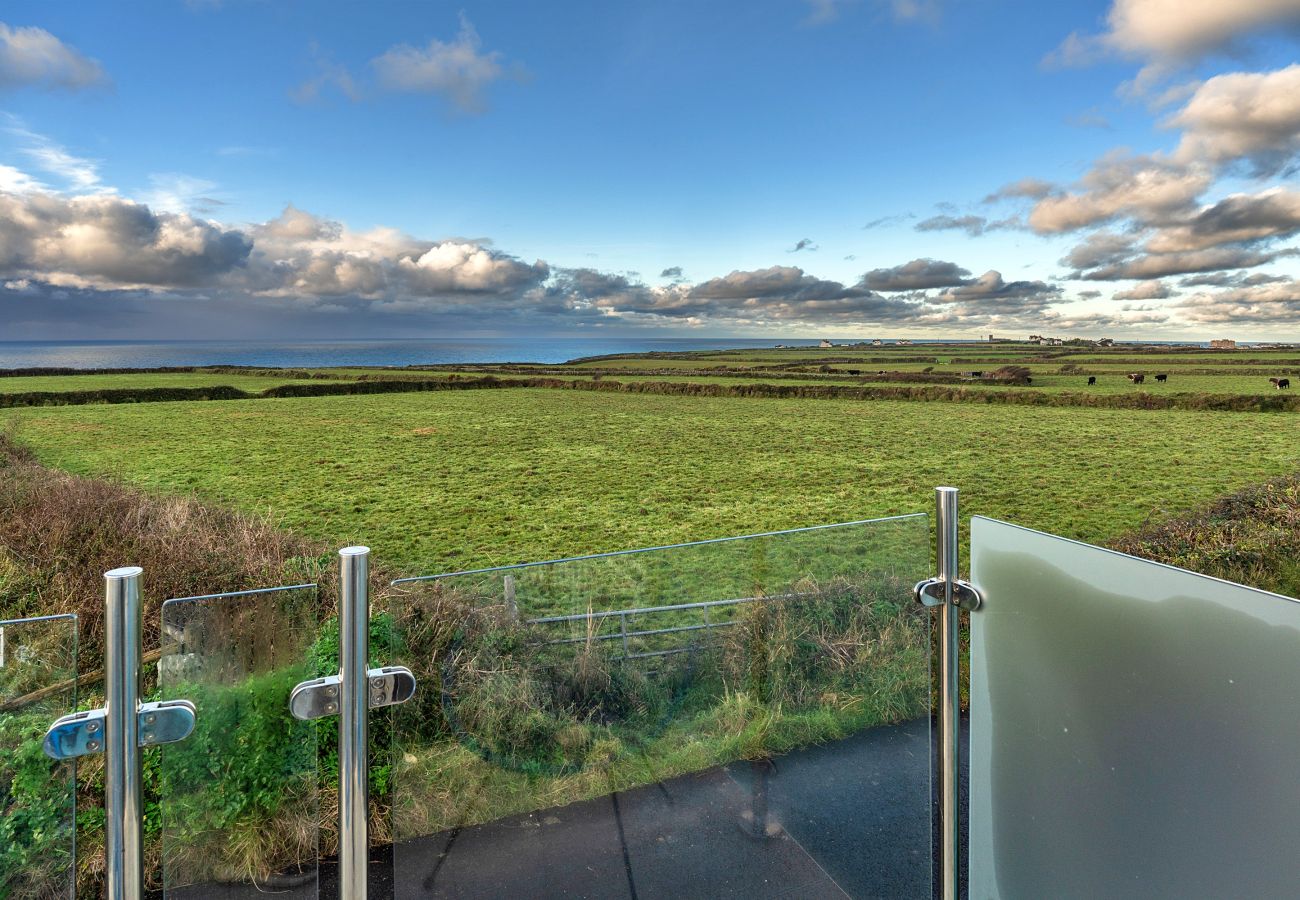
946, 537
123, 810
354, 660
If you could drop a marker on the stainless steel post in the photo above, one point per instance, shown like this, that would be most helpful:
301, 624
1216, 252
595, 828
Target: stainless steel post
122, 802
949, 690
354, 661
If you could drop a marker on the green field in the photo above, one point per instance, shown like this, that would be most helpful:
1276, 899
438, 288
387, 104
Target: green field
458, 480
96, 382
451, 479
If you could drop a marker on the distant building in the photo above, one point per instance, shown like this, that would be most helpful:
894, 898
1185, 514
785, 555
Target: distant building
825, 344
877, 342
903, 343
990, 338
1223, 344
1106, 342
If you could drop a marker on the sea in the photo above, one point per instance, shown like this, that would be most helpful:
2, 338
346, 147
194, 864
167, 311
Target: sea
318, 353
369, 352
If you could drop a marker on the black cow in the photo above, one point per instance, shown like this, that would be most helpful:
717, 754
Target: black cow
855, 371
1092, 379
1136, 377
1280, 383
1162, 378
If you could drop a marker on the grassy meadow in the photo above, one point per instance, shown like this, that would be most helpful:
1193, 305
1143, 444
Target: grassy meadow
220, 491
458, 480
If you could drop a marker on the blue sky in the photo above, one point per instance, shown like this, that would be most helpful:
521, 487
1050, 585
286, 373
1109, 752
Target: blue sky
478, 169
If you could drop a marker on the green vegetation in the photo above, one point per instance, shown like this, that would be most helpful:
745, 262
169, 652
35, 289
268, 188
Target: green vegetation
440, 469
438, 482
96, 382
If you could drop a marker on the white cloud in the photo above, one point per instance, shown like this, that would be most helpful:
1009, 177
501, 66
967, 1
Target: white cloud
1252, 116
1180, 29
1171, 31
456, 70
16, 181
175, 192
33, 56
78, 173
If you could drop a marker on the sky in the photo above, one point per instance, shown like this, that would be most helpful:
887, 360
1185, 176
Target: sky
218, 169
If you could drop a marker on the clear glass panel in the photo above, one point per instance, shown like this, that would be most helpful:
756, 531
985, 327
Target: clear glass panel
1134, 727
38, 671
239, 796
743, 717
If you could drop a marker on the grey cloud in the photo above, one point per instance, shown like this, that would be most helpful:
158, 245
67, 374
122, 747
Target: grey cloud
1145, 290
972, 225
1147, 188
34, 57
788, 282
673, 272
1276, 303
1232, 279
1032, 188
919, 274
105, 240
991, 291
1240, 218
888, 220
1159, 265
1099, 248
803, 244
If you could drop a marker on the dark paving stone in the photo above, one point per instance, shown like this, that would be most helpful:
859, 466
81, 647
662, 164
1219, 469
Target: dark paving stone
845, 819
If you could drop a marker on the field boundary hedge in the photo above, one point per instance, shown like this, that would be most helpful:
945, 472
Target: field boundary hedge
1279, 402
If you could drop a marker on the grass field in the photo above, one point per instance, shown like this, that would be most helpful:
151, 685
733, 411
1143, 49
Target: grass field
96, 382
446, 481
459, 479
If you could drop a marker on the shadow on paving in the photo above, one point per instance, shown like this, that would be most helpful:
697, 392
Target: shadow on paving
850, 818
846, 819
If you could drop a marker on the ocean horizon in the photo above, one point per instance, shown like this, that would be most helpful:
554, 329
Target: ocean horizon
361, 352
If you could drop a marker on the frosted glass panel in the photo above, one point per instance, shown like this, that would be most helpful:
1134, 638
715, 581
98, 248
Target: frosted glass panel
738, 718
1135, 729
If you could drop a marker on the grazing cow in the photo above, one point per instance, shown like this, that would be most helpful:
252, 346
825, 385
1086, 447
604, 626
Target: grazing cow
976, 374
1136, 377
1162, 378
1280, 383
1092, 379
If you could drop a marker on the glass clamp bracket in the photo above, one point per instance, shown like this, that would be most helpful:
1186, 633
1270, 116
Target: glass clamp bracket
964, 595
318, 698
82, 733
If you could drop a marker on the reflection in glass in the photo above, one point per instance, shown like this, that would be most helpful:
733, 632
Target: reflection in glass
239, 796
1133, 727
747, 716
38, 670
